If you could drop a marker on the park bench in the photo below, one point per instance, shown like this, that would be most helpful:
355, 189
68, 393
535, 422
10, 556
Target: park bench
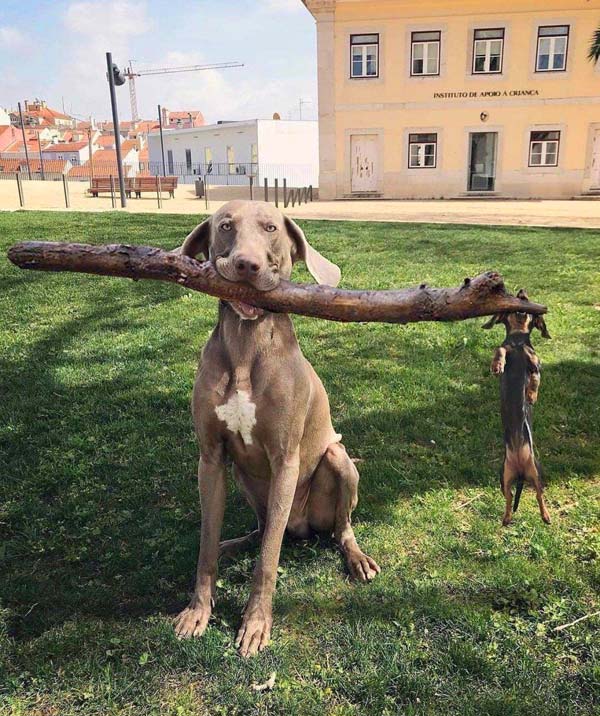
103, 185
151, 184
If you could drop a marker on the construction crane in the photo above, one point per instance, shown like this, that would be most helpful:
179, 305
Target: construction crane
131, 75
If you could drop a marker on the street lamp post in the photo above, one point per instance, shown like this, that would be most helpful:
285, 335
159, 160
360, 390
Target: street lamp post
116, 78
162, 143
24, 141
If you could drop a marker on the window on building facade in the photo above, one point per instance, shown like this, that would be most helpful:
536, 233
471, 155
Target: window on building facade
552, 48
188, 160
425, 53
422, 151
364, 55
170, 161
231, 160
543, 149
488, 48
254, 153
208, 160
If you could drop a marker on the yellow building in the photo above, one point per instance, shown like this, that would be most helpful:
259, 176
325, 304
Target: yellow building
453, 98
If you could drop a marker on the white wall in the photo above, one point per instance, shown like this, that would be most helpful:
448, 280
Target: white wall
285, 149
290, 150
239, 135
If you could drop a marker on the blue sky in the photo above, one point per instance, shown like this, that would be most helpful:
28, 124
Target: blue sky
54, 49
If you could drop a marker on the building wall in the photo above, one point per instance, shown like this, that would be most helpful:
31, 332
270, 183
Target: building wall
513, 103
289, 149
239, 135
284, 149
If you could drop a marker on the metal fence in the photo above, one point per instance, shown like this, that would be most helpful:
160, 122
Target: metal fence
238, 174
217, 173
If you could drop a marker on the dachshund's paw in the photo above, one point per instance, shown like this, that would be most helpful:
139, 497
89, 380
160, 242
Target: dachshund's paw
531, 396
255, 633
506, 520
192, 621
362, 567
497, 367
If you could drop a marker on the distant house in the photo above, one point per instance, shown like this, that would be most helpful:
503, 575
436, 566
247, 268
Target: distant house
182, 120
52, 169
230, 151
74, 152
104, 163
38, 114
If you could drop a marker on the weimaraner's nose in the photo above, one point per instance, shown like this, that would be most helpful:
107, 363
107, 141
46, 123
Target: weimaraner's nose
245, 266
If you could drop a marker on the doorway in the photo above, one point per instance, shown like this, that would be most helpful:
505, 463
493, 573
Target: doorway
482, 161
595, 163
363, 156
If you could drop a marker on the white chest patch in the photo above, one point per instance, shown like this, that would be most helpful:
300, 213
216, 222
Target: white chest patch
239, 413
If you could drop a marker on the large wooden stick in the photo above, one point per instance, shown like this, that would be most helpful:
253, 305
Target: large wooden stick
480, 296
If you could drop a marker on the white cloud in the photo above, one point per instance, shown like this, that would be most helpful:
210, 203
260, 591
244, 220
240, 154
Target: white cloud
11, 38
221, 94
95, 27
117, 18
282, 5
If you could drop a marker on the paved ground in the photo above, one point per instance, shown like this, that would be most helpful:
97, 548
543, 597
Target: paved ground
584, 214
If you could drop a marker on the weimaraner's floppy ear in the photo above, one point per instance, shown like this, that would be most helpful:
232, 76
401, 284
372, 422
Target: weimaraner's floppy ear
321, 269
197, 241
496, 318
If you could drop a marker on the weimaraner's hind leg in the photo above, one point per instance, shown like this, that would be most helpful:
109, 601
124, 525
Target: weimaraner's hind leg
333, 496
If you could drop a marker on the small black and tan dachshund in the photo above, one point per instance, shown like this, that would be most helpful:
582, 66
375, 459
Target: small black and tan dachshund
519, 368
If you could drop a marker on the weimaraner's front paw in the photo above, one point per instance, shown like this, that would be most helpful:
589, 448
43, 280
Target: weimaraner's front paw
192, 621
362, 567
255, 633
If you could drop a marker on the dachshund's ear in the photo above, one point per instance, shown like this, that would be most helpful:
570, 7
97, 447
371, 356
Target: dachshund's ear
497, 318
540, 324
522, 294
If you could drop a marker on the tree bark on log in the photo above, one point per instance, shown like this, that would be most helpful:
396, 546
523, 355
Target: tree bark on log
480, 296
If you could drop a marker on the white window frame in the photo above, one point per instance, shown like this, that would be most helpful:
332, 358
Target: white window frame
364, 48
545, 145
427, 47
421, 150
552, 38
487, 43
231, 159
188, 160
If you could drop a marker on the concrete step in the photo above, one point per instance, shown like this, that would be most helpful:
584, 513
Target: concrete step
361, 196
587, 196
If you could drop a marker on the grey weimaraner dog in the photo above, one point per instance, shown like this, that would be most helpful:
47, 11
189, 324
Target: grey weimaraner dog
258, 401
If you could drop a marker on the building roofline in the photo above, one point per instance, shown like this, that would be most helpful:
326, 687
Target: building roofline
168, 131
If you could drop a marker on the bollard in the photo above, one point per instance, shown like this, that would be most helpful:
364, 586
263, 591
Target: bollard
266, 189
251, 188
112, 191
285, 194
66, 190
310, 194
205, 193
158, 192
277, 193
20, 189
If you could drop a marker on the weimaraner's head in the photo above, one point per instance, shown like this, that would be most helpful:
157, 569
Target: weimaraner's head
253, 242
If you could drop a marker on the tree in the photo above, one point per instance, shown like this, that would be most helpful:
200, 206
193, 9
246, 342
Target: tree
594, 51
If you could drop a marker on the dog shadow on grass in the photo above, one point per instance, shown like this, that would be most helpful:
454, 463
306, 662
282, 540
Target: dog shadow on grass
102, 515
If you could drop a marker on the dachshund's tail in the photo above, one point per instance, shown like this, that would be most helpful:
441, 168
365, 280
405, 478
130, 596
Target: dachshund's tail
518, 491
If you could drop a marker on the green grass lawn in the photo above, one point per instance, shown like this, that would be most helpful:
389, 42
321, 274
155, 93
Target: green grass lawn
98, 500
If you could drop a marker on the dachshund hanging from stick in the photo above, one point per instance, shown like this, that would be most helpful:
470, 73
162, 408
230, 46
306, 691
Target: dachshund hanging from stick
519, 368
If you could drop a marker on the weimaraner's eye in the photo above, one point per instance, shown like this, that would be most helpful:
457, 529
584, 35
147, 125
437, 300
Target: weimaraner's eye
225, 226
271, 228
